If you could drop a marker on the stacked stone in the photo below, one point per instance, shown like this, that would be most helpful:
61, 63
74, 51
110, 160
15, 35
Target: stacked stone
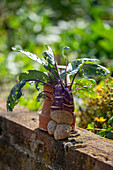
60, 125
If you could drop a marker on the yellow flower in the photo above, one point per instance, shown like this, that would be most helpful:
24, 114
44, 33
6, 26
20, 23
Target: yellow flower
101, 119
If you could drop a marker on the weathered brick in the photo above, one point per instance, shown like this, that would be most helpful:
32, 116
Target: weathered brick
24, 147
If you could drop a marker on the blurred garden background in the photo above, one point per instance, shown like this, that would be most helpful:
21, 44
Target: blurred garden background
86, 26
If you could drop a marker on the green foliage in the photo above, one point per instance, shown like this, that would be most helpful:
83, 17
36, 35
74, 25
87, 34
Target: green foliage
110, 122
30, 55
29, 99
14, 95
97, 114
89, 83
84, 65
87, 28
33, 75
46, 79
84, 88
41, 95
94, 70
49, 56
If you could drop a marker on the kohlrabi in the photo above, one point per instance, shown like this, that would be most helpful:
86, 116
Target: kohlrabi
81, 71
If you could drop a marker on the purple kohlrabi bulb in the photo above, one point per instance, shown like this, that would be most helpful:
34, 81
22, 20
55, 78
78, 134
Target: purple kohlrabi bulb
63, 99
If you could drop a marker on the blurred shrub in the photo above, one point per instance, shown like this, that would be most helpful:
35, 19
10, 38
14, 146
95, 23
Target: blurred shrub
28, 101
97, 114
86, 26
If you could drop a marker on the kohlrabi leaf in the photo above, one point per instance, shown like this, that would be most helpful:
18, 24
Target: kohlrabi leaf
41, 95
30, 55
63, 50
37, 86
85, 93
33, 75
77, 64
87, 67
50, 65
73, 67
88, 60
89, 84
14, 95
62, 73
49, 56
84, 88
93, 70
63, 53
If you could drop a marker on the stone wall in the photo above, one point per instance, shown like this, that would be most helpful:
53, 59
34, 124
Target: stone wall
24, 147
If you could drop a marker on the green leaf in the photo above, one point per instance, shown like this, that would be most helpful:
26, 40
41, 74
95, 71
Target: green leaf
77, 64
51, 67
109, 135
37, 86
88, 60
90, 126
14, 95
49, 56
84, 88
73, 67
102, 133
30, 55
33, 75
63, 50
41, 95
87, 83
82, 92
110, 121
92, 70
